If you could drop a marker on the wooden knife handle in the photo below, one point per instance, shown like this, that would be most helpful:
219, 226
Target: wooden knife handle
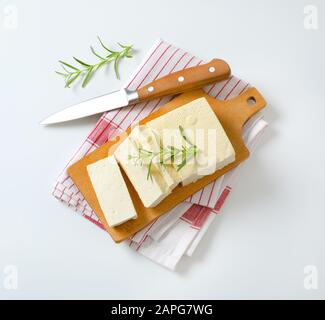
185, 80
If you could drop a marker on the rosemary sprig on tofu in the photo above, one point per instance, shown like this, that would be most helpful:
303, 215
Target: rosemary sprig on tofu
165, 155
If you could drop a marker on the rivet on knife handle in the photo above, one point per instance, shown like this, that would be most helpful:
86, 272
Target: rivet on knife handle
185, 80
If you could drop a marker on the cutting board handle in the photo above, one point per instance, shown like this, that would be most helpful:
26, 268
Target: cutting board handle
185, 80
244, 106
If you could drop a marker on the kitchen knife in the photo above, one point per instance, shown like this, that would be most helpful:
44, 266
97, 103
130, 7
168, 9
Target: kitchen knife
174, 83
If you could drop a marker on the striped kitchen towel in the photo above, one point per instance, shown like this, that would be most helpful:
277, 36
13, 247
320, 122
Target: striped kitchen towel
162, 59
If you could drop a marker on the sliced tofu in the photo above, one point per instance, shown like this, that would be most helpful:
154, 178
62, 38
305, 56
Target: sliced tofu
150, 190
202, 128
147, 139
111, 191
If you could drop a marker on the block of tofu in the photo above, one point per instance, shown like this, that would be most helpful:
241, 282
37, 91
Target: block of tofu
111, 191
202, 128
147, 139
150, 190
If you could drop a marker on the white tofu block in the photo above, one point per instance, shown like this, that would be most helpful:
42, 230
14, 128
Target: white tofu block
202, 128
150, 190
111, 191
147, 139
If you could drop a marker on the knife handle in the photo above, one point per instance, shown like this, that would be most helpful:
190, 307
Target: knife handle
185, 80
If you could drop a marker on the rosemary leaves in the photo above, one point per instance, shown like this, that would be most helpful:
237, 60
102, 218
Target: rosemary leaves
166, 155
71, 72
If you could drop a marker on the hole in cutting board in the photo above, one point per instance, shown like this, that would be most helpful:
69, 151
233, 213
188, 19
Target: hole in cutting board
251, 101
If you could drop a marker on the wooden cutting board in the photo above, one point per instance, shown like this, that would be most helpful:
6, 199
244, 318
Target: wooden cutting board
231, 113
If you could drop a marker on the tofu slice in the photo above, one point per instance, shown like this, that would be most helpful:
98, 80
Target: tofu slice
147, 139
111, 191
150, 191
203, 129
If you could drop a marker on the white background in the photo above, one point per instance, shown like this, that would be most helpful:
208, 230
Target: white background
273, 224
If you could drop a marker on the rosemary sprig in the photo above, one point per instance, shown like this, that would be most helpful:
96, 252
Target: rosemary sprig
182, 131
168, 154
71, 73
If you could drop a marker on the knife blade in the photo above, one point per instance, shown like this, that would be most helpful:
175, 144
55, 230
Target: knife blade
174, 83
